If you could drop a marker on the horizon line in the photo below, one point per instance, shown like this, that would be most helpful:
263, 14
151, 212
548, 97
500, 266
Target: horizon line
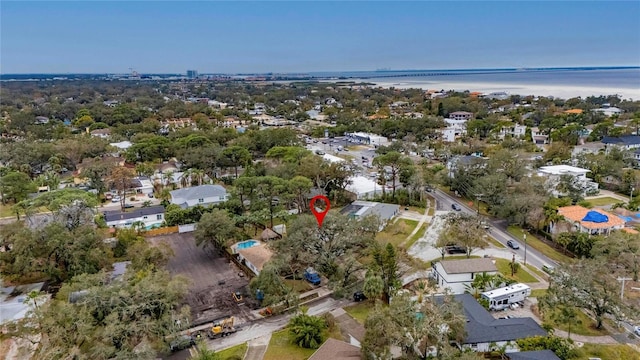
596, 67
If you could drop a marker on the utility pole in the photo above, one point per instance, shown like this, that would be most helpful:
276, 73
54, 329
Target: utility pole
478, 196
623, 279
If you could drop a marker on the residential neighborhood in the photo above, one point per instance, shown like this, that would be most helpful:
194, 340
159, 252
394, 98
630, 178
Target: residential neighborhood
478, 223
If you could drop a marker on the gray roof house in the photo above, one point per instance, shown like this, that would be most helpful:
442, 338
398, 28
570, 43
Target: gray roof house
624, 142
360, 208
152, 216
203, 195
483, 329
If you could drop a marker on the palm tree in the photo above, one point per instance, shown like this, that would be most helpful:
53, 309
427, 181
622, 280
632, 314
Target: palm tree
306, 330
185, 178
198, 175
168, 179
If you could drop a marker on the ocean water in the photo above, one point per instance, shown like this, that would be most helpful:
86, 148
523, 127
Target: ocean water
548, 82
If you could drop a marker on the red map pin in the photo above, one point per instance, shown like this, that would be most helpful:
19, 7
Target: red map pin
319, 214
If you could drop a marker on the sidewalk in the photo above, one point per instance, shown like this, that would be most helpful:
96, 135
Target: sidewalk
257, 347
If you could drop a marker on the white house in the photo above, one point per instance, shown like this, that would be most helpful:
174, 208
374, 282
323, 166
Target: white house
456, 275
454, 129
143, 185
255, 257
515, 130
203, 195
461, 115
539, 137
554, 172
152, 216
363, 187
609, 111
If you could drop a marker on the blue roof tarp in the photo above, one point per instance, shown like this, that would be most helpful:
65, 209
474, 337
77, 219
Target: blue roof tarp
596, 217
626, 218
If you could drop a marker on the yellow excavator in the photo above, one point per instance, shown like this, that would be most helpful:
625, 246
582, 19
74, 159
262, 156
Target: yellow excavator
222, 328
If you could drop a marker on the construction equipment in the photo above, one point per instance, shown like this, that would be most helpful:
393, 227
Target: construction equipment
222, 328
237, 296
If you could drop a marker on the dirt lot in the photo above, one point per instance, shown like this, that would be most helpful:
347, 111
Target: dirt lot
208, 297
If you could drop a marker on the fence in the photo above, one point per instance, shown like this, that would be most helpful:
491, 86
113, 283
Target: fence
186, 228
161, 231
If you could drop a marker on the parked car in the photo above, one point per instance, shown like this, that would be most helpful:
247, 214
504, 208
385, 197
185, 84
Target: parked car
312, 276
547, 268
128, 206
182, 342
636, 330
456, 207
512, 244
359, 296
455, 249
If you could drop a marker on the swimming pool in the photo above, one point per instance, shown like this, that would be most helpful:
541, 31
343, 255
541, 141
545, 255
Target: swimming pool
246, 244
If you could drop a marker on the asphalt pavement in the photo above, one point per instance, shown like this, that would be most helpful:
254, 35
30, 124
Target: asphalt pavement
496, 231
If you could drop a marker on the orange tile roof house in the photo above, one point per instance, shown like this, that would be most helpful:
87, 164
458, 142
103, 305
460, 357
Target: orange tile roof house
592, 221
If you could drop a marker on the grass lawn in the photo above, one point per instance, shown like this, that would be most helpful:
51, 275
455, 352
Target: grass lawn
415, 236
432, 211
298, 285
607, 352
495, 243
586, 325
603, 201
535, 243
538, 272
536, 293
281, 348
397, 232
419, 210
6, 211
521, 276
360, 311
237, 351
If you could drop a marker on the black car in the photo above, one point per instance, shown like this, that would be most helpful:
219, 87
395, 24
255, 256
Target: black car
182, 342
359, 296
455, 249
512, 244
456, 207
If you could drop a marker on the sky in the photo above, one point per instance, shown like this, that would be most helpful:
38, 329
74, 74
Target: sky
308, 36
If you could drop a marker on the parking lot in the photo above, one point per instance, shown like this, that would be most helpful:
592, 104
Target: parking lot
213, 279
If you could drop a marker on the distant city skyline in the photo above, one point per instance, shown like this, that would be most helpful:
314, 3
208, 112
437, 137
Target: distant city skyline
313, 36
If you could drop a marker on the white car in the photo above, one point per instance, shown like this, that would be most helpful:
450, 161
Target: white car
636, 330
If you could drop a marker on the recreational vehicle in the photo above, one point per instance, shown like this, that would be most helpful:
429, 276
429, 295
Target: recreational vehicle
504, 297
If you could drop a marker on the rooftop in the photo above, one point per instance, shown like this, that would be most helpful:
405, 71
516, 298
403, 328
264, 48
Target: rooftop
577, 213
468, 265
364, 208
622, 140
334, 349
562, 169
197, 192
137, 213
481, 327
257, 255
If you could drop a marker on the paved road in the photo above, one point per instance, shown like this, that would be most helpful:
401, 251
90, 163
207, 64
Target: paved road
269, 325
497, 231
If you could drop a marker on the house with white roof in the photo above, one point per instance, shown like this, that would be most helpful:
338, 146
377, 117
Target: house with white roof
515, 130
363, 187
456, 275
203, 195
609, 111
553, 174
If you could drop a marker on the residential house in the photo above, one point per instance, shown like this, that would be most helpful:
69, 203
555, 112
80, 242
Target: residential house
142, 185
499, 95
315, 115
360, 209
13, 301
151, 217
202, 195
101, 133
574, 111
588, 148
555, 172
110, 103
122, 146
461, 115
539, 137
254, 257
484, 331
609, 111
363, 187
592, 221
333, 349
467, 162
515, 130
454, 130
457, 275
624, 142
